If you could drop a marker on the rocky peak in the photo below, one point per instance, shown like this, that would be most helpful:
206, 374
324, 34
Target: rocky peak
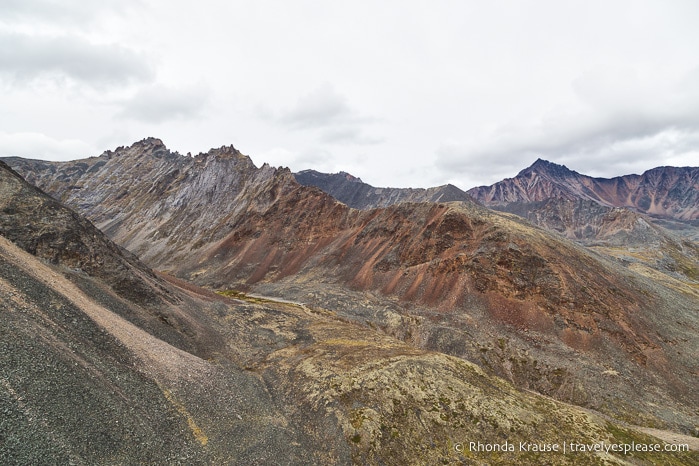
149, 147
151, 141
546, 168
183, 196
663, 192
223, 152
225, 158
350, 178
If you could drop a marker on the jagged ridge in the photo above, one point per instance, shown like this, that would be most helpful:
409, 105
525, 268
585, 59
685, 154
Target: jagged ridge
355, 193
258, 226
666, 192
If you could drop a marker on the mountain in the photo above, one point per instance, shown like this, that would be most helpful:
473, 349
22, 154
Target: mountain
668, 195
355, 193
94, 373
663, 192
87, 376
148, 199
649, 220
455, 278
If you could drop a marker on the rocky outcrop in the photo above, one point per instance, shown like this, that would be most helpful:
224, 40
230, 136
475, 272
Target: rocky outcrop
355, 193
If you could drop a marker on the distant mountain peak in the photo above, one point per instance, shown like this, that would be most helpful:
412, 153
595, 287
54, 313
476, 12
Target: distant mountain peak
225, 153
350, 177
544, 167
341, 174
354, 192
544, 163
662, 192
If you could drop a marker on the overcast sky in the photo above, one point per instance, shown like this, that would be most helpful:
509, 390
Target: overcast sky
399, 93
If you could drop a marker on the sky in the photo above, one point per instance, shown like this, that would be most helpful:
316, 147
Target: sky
399, 93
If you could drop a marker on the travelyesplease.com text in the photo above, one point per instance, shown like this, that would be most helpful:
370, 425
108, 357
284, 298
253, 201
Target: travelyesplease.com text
570, 447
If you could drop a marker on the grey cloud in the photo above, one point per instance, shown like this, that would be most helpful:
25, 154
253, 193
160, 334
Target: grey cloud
322, 107
73, 12
328, 112
617, 126
464, 161
314, 157
40, 146
24, 58
156, 104
348, 135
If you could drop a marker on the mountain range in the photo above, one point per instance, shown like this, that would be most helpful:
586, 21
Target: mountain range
669, 195
355, 193
664, 192
647, 220
376, 312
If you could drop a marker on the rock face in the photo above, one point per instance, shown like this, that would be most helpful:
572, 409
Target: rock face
668, 195
45, 228
244, 381
651, 219
355, 193
456, 278
153, 201
665, 192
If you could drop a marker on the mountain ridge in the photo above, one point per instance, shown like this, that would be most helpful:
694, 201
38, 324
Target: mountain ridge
352, 191
451, 277
79, 384
648, 219
665, 192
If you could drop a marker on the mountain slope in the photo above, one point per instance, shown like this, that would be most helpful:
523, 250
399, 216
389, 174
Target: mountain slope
611, 214
80, 384
89, 370
355, 193
146, 195
455, 278
48, 230
665, 192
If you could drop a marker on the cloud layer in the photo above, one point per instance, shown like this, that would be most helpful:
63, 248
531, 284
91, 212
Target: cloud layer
158, 104
24, 58
618, 122
399, 94
327, 111
41, 146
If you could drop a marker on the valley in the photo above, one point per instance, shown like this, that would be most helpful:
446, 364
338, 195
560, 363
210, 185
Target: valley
416, 321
